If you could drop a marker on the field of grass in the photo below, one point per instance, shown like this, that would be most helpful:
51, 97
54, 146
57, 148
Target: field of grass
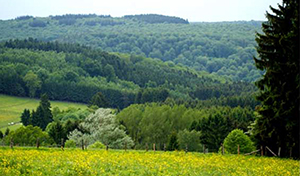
11, 109
25, 161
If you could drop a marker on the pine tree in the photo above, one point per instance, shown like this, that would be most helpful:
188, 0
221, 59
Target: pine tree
43, 113
277, 124
25, 117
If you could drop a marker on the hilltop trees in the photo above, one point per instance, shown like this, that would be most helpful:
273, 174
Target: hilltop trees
277, 124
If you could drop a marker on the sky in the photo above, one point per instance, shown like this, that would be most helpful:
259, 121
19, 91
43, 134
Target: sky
193, 10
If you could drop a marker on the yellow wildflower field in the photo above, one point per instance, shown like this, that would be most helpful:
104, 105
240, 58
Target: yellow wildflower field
26, 161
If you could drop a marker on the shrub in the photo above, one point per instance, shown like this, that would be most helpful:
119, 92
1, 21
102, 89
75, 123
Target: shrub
70, 144
235, 138
97, 145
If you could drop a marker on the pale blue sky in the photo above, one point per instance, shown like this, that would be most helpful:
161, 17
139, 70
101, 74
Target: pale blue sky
193, 10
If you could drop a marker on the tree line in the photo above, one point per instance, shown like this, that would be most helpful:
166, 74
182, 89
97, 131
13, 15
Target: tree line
72, 72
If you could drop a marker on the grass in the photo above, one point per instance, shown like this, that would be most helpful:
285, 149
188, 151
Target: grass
12, 107
45, 161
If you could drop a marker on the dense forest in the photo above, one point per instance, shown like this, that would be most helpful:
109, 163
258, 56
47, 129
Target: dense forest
224, 48
72, 72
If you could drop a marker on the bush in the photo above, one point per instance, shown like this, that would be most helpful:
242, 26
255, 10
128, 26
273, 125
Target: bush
97, 145
235, 138
70, 144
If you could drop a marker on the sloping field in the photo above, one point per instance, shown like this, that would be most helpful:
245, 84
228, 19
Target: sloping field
12, 107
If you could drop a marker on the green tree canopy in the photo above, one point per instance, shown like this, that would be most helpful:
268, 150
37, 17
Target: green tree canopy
235, 138
33, 83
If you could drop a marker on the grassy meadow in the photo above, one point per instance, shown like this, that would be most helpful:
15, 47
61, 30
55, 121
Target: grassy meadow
30, 161
12, 107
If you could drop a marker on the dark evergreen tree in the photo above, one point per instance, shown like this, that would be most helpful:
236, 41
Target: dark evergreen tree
173, 143
6, 132
56, 132
1, 134
25, 117
277, 124
43, 113
99, 100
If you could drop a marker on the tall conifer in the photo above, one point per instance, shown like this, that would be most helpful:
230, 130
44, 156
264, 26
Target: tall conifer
277, 123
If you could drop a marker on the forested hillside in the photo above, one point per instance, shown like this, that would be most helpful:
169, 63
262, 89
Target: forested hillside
72, 72
223, 48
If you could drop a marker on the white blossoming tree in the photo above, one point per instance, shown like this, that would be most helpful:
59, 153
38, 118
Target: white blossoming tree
102, 126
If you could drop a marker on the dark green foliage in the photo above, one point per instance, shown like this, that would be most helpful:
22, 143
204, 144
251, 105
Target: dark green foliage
37, 23
25, 117
173, 143
24, 17
99, 100
1, 135
151, 95
56, 131
154, 18
194, 126
6, 133
71, 125
277, 124
43, 114
214, 129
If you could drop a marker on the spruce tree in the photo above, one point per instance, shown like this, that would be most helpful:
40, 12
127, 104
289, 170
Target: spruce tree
43, 113
277, 123
25, 117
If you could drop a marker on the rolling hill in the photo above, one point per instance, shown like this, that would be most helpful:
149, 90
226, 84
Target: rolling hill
221, 48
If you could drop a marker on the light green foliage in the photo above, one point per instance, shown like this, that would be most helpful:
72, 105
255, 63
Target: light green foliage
70, 113
102, 126
235, 138
28, 136
97, 145
189, 138
155, 123
32, 82
70, 144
